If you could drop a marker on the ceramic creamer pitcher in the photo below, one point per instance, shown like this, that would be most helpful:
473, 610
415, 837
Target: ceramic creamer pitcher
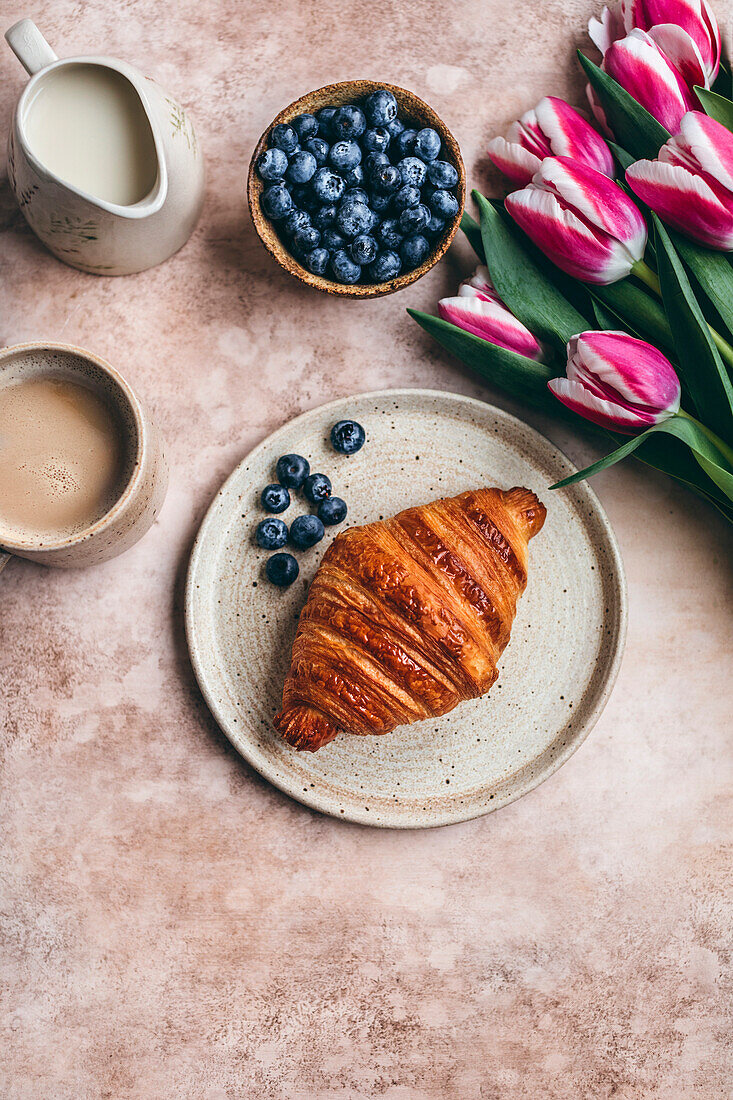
102, 214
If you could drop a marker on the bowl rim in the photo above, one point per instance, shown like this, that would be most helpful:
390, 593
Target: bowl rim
267, 232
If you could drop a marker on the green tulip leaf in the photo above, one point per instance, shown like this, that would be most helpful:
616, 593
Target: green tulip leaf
641, 313
700, 365
522, 285
634, 128
472, 231
624, 159
713, 273
716, 106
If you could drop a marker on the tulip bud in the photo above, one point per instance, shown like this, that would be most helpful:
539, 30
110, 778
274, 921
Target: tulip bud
479, 310
690, 185
618, 382
583, 221
640, 65
553, 128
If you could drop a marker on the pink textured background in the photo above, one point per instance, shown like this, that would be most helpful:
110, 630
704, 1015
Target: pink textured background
173, 927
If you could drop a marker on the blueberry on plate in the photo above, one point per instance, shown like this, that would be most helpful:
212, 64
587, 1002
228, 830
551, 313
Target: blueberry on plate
380, 107
272, 164
317, 260
376, 140
306, 239
406, 196
284, 137
282, 569
347, 437
442, 174
412, 220
363, 249
386, 266
316, 488
325, 119
277, 202
305, 126
405, 143
302, 167
389, 234
413, 171
271, 534
327, 186
427, 144
292, 470
299, 219
353, 218
444, 204
385, 178
324, 215
354, 177
414, 250
318, 148
275, 498
332, 240
348, 122
306, 531
344, 268
332, 510
345, 155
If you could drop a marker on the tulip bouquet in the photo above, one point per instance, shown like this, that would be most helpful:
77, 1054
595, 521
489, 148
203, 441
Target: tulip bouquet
605, 282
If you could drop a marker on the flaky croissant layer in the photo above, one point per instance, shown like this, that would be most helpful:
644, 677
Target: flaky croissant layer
408, 616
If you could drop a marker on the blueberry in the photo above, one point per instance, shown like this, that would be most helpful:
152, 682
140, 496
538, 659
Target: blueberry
354, 177
292, 470
442, 174
380, 202
355, 194
414, 219
317, 487
332, 240
277, 202
306, 239
325, 120
427, 144
299, 219
284, 137
347, 437
376, 140
305, 126
348, 122
332, 510
271, 534
413, 171
386, 266
444, 204
282, 569
272, 164
388, 234
385, 178
435, 226
324, 215
275, 498
413, 250
345, 155
363, 249
317, 260
406, 196
381, 107
302, 167
373, 160
306, 531
318, 148
405, 143
354, 218
305, 198
395, 128
344, 268
327, 186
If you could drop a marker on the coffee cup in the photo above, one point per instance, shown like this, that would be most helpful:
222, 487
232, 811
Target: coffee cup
82, 468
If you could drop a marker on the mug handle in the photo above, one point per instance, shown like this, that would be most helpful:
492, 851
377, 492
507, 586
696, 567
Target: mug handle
4, 559
29, 46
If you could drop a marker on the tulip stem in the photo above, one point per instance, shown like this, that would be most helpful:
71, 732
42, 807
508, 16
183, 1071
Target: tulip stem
645, 274
717, 442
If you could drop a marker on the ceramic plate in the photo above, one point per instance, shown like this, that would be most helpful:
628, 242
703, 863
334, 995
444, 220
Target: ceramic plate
555, 674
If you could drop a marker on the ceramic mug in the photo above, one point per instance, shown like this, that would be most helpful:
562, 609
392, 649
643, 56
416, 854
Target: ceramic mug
145, 467
88, 232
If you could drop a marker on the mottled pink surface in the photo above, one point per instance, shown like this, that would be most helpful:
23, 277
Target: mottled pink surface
174, 927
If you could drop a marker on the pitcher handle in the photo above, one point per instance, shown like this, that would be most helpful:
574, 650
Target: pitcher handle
4, 559
29, 46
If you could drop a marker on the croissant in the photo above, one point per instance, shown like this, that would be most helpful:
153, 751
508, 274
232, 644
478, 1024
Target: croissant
409, 616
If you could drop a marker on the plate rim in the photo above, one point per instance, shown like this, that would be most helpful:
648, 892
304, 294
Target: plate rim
311, 799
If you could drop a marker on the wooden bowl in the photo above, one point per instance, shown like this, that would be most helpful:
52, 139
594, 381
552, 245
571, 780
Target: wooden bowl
412, 111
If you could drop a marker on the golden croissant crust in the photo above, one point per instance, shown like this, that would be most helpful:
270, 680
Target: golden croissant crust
409, 616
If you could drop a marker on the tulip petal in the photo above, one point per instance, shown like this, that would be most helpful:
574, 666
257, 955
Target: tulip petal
614, 363
683, 200
528, 133
480, 283
571, 135
682, 52
604, 31
640, 67
693, 16
491, 321
710, 143
517, 163
598, 410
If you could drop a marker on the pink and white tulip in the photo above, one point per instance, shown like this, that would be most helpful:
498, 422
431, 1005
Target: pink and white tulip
583, 221
618, 382
552, 128
479, 310
694, 17
641, 66
690, 185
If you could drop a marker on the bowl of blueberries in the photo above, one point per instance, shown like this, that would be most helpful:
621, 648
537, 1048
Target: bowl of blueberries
357, 188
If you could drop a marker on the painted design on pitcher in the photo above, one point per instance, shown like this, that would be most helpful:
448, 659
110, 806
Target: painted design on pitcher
182, 125
75, 233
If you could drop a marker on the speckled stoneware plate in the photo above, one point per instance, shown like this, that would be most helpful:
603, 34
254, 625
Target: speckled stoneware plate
555, 675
